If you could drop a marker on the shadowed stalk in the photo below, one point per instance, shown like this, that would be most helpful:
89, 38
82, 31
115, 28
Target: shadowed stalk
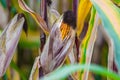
9, 8
77, 41
43, 13
43, 9
75, 6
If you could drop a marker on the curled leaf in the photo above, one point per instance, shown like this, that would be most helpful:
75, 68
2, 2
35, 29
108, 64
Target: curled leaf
36, 16
8, 42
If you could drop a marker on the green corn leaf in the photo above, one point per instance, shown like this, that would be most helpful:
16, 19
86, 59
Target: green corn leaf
67, 70
110, 16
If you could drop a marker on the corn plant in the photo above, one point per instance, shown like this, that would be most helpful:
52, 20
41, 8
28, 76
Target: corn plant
68, 39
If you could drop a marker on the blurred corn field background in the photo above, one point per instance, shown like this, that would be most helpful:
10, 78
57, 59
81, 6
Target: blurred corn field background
59, 39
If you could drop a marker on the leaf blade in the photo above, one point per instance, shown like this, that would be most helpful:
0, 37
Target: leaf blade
83, 10
111, 23
9, 40
67, 70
